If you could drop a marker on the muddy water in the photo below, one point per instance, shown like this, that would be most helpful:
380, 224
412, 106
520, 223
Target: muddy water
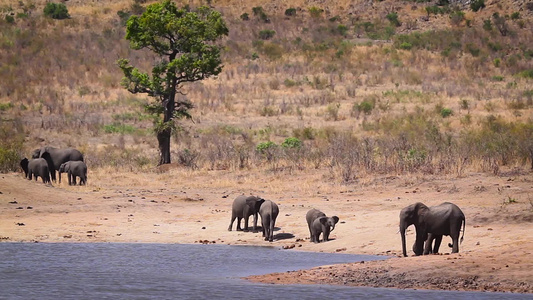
164, 271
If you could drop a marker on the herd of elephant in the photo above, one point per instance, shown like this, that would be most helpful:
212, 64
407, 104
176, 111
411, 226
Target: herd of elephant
47, 160
245, 206
431, 223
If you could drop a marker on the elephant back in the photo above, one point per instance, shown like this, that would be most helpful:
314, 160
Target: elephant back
59, 156
313, 214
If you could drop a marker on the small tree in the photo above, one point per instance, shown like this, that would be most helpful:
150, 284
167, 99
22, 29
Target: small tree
184, 41
56, 11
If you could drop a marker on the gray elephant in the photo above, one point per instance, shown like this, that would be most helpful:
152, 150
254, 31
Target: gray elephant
74, 169
269, 212
431, 223
243, 207
37, 167
55, 157
318, 223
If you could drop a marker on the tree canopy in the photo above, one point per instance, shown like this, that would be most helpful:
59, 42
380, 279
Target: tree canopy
184, 40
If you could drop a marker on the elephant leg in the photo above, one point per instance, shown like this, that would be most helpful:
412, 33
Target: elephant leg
233, 217
316, 237
455, 241
428, 244
255, 221
271, 233
438, 240
325, 234
246, 218
265, 225
239, 219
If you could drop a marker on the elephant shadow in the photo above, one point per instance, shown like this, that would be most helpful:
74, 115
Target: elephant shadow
283, 236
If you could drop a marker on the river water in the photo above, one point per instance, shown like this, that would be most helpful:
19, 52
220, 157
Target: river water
174, 271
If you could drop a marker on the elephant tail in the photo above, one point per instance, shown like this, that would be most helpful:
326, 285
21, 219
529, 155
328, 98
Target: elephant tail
464, 228
462, 237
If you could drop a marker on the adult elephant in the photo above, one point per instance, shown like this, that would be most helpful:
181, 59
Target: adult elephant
319, 223
74, 169
55, 157
36, 167
269, 212
243, 207
431, 223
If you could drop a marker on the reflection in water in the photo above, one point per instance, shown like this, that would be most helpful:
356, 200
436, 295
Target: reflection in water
171, 271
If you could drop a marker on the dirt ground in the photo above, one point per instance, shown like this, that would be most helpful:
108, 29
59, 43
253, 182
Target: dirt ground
181, 206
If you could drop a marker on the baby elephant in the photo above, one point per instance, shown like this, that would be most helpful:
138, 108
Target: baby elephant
36, 167
319, 223
269, 212
74, 169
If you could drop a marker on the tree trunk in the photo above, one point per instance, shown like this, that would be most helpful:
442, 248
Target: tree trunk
163, 138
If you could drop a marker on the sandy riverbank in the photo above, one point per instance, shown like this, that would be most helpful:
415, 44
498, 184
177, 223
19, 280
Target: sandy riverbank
196, 207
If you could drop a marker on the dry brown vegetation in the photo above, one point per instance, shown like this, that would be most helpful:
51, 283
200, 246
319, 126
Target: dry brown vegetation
364, 96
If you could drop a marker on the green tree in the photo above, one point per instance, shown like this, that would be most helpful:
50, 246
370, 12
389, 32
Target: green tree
184, 40
57, 11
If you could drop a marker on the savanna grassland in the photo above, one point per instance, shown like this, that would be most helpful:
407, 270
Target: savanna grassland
380, 103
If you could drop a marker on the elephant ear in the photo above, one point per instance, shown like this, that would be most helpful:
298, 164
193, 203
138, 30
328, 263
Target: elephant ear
323, 220
48, 159
36, 153
254, 203
335, 219
24, 165
62, 167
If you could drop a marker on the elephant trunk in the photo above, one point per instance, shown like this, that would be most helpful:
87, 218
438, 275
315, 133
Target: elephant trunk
403, 228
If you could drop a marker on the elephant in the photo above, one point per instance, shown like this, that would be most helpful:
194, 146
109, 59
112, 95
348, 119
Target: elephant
74, 169
269, 212
243, 207
55, 157
36, 167
431, 223
318, 223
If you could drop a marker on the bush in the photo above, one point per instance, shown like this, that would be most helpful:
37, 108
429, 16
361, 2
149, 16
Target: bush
515, 16
393, 19
119, 128
56, 11
12, 138
342, 29
10, 19
526, 73
476, 5
290, 12
446, 112
267, 149
315, 12
245, 17
258, 11
291, 143
487, 25
266, 34
437, 10
457, 17
406, 46
124, 16
365, 107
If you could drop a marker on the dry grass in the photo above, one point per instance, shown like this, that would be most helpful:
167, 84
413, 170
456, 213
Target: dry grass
61, 79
